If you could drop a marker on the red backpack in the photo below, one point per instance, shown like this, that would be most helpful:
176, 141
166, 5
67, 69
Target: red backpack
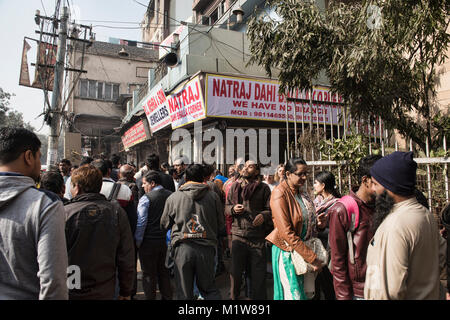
353, 216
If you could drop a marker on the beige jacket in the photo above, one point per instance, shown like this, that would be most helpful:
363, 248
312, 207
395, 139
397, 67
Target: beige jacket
403, 259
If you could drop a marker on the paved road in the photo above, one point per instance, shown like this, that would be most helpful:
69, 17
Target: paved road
222, 281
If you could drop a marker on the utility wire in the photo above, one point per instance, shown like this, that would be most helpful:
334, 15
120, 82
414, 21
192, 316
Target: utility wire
194, 28
111, 27
43, 7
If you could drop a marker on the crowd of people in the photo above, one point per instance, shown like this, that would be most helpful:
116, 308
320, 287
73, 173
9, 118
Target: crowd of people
181, 222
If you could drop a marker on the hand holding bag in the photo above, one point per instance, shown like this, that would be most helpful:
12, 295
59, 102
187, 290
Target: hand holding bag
300, 265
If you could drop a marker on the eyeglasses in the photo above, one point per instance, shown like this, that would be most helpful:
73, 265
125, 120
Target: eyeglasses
301, 174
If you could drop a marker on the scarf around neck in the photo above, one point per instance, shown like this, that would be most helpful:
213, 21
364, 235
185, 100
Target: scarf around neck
242, 194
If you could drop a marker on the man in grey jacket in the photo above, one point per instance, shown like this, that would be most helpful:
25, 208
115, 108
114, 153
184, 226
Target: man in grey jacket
33, 254
195, 215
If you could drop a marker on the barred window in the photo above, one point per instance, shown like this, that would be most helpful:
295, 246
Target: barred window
108, 91
83, 88
92, 89
99, 90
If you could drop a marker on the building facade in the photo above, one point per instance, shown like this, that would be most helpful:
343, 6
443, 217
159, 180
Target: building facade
232, 95
210, 52
162, 18
100, 96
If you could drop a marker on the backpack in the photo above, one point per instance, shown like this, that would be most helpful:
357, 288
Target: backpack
353, 216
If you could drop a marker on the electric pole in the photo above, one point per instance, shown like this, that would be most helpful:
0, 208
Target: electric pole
55, 108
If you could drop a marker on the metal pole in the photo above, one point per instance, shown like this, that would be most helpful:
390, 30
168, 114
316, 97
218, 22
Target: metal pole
317, 133
428, 176
338, 121
345, 121
287, 128
446, 171
52, 154
332, 122
331, 131
310, 110
295, 128
370, 134
381, 136
303, 126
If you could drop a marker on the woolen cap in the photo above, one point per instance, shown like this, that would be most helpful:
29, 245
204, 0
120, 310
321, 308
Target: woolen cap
396, 172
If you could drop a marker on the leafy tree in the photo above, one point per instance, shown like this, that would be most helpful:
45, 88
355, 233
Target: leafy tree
8, 117
381, 56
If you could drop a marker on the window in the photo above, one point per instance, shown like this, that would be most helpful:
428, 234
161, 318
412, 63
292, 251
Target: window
214, 17
205, 20
83, 88
115, 91
108, 91
166, 19
157, 11
92, 89
222, 8
99, 90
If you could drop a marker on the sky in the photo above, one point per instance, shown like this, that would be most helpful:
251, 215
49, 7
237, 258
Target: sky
17, 21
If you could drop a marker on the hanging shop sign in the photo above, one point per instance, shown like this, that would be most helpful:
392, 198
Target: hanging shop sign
136, 134
259, 99
186, 104
156, 109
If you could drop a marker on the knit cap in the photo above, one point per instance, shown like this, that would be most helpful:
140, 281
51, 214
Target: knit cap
396, 172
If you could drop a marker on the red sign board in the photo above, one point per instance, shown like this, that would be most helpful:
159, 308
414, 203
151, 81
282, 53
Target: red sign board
134, 135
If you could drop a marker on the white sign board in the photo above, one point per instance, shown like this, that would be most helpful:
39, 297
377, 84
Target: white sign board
186, 104
242, 98
156, 109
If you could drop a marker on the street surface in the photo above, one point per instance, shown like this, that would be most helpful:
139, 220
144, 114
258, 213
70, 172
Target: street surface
222, 282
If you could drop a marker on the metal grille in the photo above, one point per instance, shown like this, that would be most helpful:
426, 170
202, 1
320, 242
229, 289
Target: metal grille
432, 172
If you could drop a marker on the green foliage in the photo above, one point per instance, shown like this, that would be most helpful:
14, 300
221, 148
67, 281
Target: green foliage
388, 71
8, 117
349, 150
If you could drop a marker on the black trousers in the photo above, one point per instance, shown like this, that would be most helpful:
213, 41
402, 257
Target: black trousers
251, 258
152, 255
194, 260
324, 284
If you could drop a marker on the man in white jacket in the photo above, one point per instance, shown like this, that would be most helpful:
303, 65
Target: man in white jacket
403, 259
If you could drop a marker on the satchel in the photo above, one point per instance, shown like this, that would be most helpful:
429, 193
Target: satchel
300, 265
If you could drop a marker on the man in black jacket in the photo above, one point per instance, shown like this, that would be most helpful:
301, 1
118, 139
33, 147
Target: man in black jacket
151, 240
152, 164
180, 167
99, 239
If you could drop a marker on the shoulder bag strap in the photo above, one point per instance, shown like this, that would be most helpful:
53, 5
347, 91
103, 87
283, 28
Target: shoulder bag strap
114, 192
353, 214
